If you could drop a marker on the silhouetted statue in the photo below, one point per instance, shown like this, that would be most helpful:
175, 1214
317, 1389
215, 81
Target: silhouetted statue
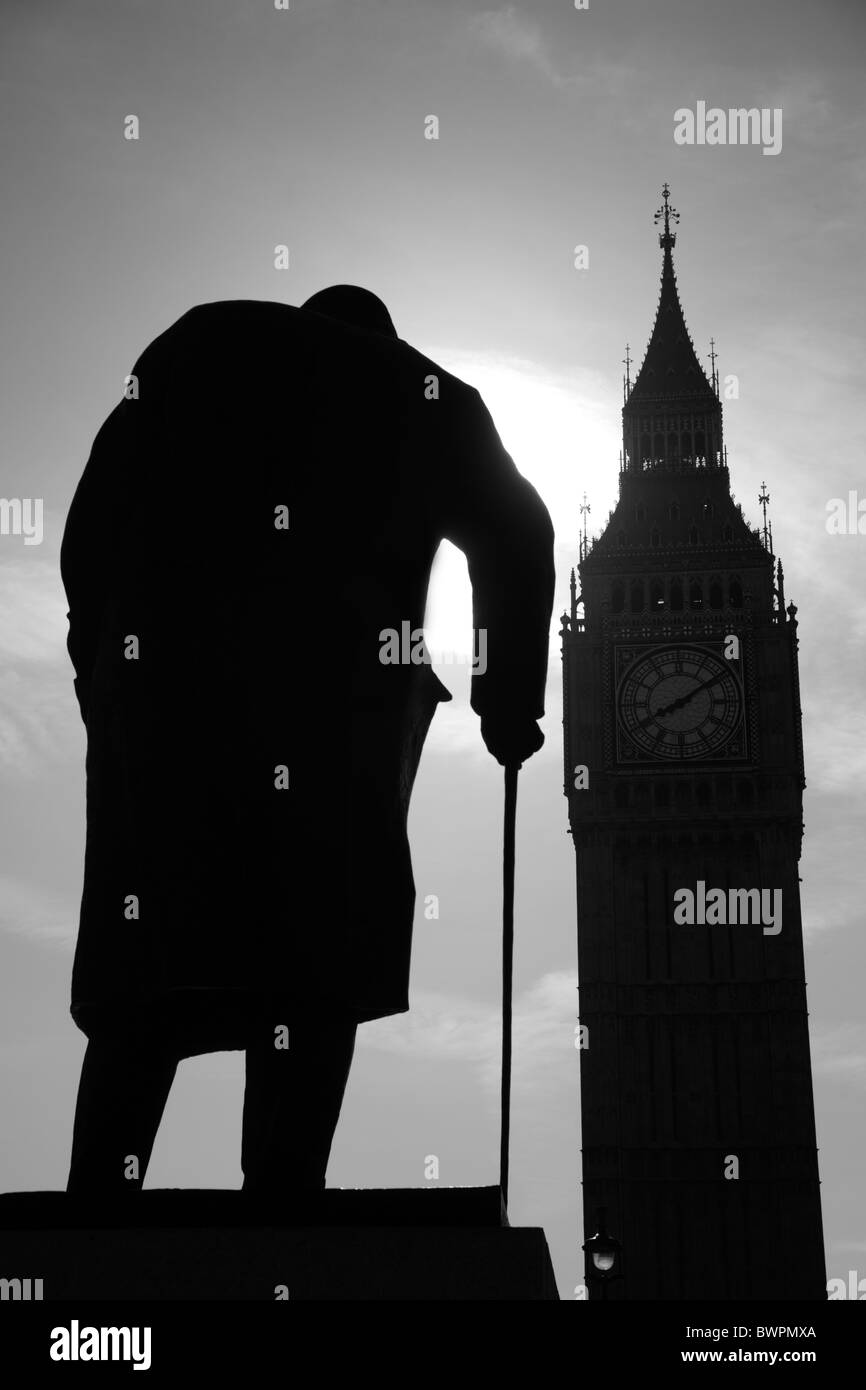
262, 506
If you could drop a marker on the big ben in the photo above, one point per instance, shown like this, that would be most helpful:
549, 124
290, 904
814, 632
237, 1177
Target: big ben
684, 775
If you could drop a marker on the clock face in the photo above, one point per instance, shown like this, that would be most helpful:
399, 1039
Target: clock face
679, 702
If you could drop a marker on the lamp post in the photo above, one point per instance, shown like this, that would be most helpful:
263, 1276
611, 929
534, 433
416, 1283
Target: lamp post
603, 1255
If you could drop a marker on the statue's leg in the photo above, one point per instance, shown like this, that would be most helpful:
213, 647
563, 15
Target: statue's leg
291, 1106
124, 1086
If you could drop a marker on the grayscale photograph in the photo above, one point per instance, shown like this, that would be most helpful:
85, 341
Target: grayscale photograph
432, 733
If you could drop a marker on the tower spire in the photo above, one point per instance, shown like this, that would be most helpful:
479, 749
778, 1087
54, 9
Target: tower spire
585, 509
667, 238
763, 498
672, 415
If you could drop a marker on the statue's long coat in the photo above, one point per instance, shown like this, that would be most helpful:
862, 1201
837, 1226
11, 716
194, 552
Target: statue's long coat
212, 647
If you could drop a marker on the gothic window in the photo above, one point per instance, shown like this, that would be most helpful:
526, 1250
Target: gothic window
727, 533
687, 446
696, 595
693, 535
655, 539
620, 796
676, 595
673, 447
735, 594
707, 510
617, 601
645, 446
659, 446
700, 445
704, 794
745, 793
637, 596
662, 794
716, 596
674, 511
638, 513
657, 595
620, 539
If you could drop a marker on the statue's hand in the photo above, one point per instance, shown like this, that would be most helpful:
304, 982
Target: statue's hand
511, 741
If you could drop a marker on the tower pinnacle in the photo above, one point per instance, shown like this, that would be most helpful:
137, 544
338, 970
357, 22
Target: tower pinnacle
672, 414
667, 238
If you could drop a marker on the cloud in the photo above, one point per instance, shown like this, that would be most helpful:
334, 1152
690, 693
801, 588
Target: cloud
520, 40
840, 1053
456, 730
836, 758
450, 1028
32, 609
39, 719
511, 33
39, 913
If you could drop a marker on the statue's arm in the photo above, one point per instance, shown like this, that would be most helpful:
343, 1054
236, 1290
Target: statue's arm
500, 522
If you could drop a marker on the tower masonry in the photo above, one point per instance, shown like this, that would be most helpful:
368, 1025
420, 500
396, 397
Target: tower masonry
684, 776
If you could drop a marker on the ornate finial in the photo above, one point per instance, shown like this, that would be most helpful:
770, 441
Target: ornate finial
763, 498
667, 237
585, 509
712, 356
573, 593
628, 361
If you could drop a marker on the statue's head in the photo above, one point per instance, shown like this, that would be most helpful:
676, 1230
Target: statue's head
353, 305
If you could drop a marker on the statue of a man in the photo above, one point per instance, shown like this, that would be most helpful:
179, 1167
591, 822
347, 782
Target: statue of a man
257, 514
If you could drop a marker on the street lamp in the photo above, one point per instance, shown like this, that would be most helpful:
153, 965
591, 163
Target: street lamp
603, 1255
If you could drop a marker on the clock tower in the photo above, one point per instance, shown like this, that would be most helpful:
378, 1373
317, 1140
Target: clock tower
684, 778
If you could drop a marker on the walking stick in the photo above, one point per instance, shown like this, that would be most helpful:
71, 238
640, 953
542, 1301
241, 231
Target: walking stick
511, 772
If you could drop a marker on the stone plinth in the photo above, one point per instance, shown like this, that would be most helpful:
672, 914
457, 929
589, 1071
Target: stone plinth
438, 1243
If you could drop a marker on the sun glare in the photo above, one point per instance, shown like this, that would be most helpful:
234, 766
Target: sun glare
562, 441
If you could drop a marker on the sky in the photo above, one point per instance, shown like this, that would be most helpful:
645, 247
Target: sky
306, 128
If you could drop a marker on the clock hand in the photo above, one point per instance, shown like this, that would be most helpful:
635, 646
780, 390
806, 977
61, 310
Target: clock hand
680, 702
684, 699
